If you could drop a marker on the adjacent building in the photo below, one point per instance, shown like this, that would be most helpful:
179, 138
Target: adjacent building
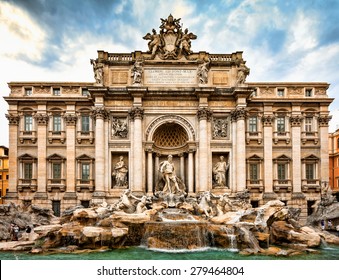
334, 161
82, 143
3, 172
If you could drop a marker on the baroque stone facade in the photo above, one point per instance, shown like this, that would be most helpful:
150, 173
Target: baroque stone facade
81, 143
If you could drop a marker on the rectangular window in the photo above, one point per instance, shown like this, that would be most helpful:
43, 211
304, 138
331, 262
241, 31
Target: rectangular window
56, 170
254, 171
85, 123
56, 91
85, 171
252, 124
308, 124
281, 124
281, 92
308, 92
84, 92
7, 177
0, 176
28, 170
282, 171
310, 171
28, 123
57, 123
28, 91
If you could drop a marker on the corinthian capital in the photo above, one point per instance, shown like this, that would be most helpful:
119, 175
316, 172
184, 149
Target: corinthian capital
99, 113
136, 113
12, 119
238, 114
267, 120
41, 119
204, 114
324, 120
70, 119
296, 120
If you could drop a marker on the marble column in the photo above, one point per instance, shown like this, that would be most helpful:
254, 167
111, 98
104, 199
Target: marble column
70, 120
204, 115
323, 121
295, 122
267, 121
13, 121
149, 171
233, 160
136, 114
41, 120
182, 167
156, 168
190, 171
99, 114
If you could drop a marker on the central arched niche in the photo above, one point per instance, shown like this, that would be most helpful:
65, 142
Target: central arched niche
170, 138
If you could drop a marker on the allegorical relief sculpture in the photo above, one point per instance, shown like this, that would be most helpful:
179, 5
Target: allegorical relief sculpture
119, 128
220, 128
119, 174
171, 42
98, 72
220, 173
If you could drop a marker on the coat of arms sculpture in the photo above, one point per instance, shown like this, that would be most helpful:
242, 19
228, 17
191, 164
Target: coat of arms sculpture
171, 42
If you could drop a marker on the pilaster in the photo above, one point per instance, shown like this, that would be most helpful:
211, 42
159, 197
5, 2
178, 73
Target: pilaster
41, 120
70, 121
295, 121
13, 121
267, 121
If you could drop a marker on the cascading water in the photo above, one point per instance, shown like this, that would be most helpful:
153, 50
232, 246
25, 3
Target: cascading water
174, 229
232, 238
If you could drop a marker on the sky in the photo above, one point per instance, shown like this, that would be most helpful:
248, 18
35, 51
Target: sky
282, 40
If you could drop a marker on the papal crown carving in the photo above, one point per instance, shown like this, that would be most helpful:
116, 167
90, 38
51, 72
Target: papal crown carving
172, 42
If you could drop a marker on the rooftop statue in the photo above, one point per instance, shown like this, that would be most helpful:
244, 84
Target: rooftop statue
171, 42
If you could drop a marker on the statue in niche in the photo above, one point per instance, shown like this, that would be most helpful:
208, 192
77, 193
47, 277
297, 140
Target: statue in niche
168, 172
119, 128
120, 173
98, 71
203, 72
170, 184
243, 72
137, 72
220, 128
219, 172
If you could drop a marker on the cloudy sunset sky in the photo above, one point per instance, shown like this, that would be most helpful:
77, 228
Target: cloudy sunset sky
287, 40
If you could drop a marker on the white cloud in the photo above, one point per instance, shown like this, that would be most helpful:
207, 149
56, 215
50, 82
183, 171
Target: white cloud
20, 35
302, 33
